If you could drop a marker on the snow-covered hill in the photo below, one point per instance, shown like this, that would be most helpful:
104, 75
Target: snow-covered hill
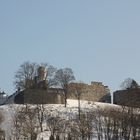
55, 109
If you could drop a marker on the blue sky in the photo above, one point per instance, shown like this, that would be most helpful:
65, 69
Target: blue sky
99, 40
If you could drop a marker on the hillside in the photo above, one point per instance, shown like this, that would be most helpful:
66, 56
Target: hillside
55, 109
92, 115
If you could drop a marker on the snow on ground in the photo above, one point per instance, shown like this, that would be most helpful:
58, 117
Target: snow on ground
44, 135
55, 109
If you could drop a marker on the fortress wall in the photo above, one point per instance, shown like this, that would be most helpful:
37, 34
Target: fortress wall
38, 96
93, 92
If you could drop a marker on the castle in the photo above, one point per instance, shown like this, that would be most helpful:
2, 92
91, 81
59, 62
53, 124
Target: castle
39, 93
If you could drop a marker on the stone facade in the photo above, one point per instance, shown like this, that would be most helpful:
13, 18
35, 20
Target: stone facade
39, 93
93, 92
128, 97
39, 96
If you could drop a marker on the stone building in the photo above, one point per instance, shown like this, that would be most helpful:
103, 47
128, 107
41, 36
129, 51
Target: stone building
39, 93
39, 96
96, 91
128, 97
93, 92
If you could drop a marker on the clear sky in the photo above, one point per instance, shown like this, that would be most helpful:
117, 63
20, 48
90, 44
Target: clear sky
98, 39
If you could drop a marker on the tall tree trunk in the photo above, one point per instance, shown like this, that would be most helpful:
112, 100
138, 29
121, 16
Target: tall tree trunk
65, 98
79, 106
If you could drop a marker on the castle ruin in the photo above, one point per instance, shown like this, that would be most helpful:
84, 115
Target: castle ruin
40, 93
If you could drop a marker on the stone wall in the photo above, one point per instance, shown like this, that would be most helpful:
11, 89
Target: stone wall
93, 92
39, 96
128, 97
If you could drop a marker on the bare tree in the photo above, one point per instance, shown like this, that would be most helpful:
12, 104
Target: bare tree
63, 78
82, 129
50, 74
77, 89
25, 123
41, 113
55, 125
129, 83
118, 123
24, 77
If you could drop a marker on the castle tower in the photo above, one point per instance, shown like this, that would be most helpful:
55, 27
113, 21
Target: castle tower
41, 74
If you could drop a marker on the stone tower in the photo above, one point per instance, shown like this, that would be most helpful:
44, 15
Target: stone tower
41, 74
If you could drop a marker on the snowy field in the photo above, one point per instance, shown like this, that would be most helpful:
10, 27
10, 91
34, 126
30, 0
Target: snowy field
71, 109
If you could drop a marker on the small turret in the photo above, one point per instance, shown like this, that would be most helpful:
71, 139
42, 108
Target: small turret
41, 74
